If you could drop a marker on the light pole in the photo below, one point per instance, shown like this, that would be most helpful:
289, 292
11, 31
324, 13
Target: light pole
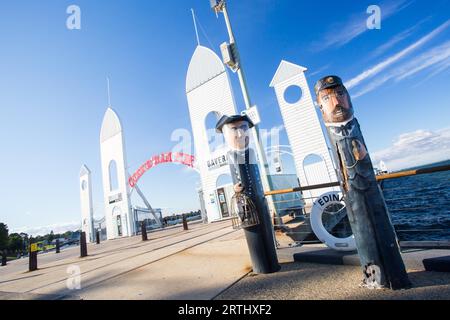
235, 64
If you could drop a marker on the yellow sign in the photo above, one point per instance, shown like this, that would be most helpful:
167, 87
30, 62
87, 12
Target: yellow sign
34, 247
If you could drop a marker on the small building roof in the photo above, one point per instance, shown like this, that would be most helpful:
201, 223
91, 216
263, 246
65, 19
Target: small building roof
285, 71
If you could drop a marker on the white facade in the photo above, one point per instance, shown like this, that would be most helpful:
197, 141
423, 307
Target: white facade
87, 210
208, 91
118, 214
304, 130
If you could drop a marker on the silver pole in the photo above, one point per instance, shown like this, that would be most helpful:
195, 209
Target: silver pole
264, 167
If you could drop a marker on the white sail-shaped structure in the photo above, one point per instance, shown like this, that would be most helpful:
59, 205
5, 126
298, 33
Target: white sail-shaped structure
208, 92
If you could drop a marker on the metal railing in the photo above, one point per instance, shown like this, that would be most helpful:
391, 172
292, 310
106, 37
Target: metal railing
419, 205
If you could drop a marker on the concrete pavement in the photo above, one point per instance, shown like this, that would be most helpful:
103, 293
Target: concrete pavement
174, 264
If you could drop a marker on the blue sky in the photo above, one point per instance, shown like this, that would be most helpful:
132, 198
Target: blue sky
53, 89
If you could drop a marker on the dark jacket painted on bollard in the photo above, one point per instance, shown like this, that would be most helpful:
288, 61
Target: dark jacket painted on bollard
367, 211
261, 244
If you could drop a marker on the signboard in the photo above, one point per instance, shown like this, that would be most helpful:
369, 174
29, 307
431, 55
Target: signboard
217, 163
253, 114
33, 247
176, 157
115, 198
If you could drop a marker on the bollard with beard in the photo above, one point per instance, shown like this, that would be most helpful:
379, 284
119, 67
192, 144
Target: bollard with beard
375, 236
246, 178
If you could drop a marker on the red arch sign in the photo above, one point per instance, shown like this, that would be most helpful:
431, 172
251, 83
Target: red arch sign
170, 157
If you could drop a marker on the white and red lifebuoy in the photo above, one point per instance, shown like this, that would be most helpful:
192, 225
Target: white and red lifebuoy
338, 244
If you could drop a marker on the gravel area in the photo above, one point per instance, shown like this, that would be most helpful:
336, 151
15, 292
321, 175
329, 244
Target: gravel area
305, 281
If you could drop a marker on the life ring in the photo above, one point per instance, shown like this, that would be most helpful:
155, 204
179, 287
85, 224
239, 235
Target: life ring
338, 244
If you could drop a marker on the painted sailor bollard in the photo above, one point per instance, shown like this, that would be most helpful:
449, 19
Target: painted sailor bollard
375, 236
249, 202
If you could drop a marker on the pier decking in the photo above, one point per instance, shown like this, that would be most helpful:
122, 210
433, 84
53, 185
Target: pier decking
206, 262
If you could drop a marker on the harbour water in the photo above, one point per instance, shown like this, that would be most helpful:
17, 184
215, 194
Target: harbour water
420, 205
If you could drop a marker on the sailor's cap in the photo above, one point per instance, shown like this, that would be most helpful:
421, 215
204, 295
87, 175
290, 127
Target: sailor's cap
328, 82
232, 119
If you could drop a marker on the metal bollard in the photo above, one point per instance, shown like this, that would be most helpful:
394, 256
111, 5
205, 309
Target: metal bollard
32, 260
83, 245
97, 237
58, 247
144, 231
185, 224
4, 258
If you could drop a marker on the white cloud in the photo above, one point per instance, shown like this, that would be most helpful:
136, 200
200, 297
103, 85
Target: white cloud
356, 25
393, 59
397, 38
437, 58
56, 228
415, 149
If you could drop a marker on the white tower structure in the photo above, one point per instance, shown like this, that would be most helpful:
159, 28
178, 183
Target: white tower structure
209, 91
313, 160
87, 211
118, 213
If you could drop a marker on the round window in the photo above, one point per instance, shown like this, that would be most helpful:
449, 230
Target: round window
293, 94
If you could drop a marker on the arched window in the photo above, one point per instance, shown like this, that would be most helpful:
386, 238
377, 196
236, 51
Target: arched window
113, 177
316, 172
215, 140
312, 159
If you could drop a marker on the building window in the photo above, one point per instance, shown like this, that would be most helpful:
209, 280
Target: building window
113, 177
215, 140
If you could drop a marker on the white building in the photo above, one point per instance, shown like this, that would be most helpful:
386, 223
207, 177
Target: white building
313, 159
87, 211
119, 218
209, 92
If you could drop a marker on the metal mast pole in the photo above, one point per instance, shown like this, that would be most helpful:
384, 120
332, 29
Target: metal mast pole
264, 167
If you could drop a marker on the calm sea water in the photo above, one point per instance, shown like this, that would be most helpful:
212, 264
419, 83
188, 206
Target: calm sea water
420, 205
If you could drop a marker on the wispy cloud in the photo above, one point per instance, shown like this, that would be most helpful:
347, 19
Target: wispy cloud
395, 58
321, 69
437, 57
435, 70
397, 38
356, 25
415, 149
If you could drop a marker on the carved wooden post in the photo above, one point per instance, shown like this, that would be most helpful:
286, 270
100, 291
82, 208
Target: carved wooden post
248, 185
375, 236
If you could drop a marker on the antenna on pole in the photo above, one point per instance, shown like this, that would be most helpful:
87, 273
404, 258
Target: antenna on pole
195, 26
109, 92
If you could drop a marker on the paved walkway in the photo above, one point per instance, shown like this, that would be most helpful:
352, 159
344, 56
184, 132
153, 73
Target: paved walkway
206, 262
174, 264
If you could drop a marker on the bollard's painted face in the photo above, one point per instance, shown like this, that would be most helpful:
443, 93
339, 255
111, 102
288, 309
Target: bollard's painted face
237, 135
335, 105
